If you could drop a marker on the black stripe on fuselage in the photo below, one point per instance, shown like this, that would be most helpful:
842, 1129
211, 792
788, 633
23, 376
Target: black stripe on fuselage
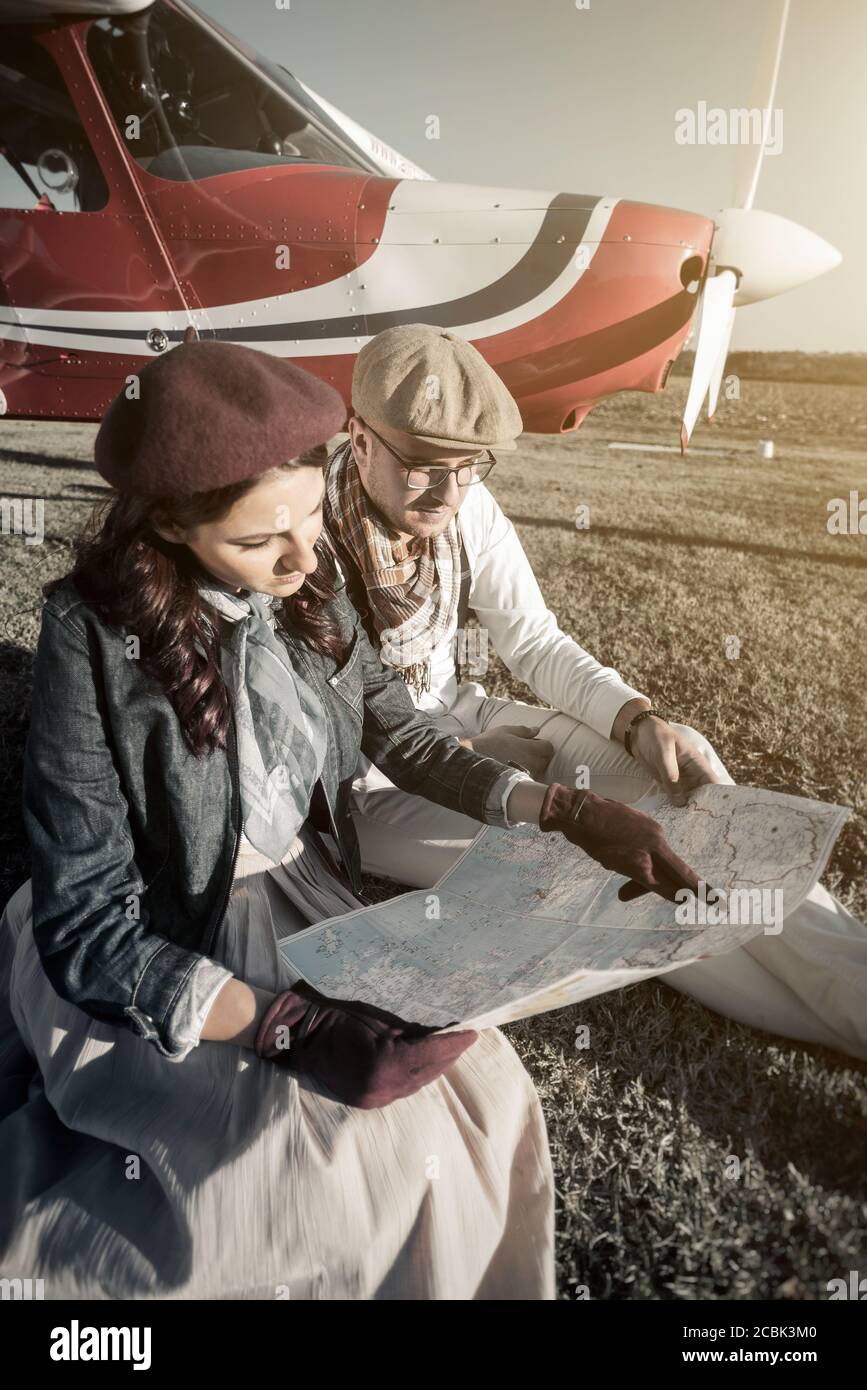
545, 259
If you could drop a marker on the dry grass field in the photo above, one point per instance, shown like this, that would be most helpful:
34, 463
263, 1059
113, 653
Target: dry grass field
680, 555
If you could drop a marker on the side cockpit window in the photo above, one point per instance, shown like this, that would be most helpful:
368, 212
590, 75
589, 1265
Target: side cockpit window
46, 160
189, 107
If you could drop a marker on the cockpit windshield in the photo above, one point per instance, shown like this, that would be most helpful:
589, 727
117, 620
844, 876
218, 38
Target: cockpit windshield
189, 106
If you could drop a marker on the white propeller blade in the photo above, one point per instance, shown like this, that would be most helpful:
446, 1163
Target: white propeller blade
714, 341
769, 254
719, 368
749, 158
716, 310
713, 327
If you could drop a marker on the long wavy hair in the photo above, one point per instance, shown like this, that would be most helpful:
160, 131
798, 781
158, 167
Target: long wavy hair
138, 581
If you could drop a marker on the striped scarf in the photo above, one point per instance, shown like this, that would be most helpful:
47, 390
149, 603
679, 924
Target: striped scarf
413, 587
281, 724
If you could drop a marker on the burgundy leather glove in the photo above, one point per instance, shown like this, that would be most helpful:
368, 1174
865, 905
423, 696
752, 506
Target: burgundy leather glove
367, 1057
626, 841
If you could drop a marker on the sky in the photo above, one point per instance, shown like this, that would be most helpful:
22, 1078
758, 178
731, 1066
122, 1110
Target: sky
541, 94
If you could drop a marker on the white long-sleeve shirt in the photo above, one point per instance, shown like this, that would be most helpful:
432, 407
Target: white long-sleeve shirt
521, 628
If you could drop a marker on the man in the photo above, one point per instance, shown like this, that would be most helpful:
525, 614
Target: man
421, 540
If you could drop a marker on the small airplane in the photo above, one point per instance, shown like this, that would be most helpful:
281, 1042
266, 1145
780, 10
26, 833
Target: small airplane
160, 180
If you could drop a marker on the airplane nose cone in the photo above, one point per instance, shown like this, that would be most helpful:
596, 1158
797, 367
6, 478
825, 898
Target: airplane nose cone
771, 253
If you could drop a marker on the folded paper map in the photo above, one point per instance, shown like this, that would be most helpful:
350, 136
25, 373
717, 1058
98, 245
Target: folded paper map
525, 922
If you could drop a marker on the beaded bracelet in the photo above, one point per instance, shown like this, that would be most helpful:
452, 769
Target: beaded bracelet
636, 719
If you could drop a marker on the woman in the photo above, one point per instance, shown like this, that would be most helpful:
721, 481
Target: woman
201, 692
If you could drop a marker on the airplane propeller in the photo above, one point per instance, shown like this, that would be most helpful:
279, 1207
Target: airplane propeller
755, 255
716, 319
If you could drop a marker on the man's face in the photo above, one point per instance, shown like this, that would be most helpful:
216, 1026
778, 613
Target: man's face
412, 512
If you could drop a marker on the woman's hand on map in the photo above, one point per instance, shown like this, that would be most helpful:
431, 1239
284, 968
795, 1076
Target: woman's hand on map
619, 838
364, 1055
672, 761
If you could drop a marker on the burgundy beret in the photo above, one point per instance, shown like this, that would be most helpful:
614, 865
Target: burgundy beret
208, 414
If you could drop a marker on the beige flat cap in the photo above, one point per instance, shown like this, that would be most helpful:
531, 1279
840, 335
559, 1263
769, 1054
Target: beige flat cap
434, 384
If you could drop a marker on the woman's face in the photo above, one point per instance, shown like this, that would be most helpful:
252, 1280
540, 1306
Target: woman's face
265, 541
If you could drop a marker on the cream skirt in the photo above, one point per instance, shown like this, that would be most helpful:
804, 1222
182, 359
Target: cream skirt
125, 1175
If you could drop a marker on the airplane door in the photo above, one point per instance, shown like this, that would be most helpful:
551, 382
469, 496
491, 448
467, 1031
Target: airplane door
85, 283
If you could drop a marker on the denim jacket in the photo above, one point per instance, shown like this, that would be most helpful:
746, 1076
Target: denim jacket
134, 840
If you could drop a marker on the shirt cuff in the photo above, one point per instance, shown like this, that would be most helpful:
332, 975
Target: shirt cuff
187, 1018
495, 807
607, 704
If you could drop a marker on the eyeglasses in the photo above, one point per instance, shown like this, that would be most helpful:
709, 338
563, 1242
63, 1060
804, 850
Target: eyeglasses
421, 476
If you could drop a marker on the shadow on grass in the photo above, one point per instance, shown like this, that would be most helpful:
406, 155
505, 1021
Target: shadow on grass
632, 533
91, 494
8, 455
